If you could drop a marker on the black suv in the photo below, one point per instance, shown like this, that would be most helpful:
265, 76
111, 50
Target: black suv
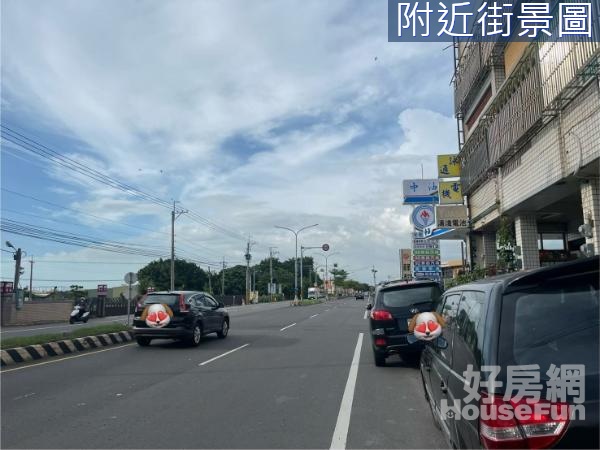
359, 296
546, 319
394, 305
186, 315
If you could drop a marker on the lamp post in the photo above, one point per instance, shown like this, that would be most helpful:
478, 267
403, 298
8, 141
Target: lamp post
296, 258
324, 247
327, 273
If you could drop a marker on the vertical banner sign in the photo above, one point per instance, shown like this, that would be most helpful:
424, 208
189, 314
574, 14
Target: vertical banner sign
448, 166
451, 193
426, 257
406, 263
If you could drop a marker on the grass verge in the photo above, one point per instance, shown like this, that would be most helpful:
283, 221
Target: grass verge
309, 302
23, 341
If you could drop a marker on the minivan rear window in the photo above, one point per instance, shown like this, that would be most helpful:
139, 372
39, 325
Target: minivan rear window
167, 299
410, 295
556, 323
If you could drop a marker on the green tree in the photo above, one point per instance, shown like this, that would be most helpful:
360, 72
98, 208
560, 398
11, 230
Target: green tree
506, 245
188, 276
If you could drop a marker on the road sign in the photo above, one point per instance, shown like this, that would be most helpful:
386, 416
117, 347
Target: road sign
102, 290
7, 287
451, 192
448, 166
423, 216
130, 278
420, 191
325, 247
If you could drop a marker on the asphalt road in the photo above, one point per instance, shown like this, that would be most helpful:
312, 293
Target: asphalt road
285, 377
31, 330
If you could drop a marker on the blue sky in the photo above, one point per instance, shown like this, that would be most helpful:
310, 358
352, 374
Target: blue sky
252, 114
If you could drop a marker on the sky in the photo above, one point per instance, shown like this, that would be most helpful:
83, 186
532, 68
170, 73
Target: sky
251, 114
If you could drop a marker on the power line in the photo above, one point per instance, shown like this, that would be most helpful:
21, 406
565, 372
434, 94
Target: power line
199, 248
26, 143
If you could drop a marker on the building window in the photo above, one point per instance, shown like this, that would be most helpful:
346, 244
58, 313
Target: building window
551, 241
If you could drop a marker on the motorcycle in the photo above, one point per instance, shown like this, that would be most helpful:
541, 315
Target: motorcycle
79, 314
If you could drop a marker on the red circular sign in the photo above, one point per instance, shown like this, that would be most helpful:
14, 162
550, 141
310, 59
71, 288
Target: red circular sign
325, 247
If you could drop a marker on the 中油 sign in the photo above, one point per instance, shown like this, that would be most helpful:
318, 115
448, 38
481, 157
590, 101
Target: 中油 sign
423, 216
417, 192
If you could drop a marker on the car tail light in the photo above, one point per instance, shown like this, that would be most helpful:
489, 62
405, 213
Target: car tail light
380, 342
183, 307
380, 314
542, 427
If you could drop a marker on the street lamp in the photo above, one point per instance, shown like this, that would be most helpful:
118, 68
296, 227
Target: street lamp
327, 273
296, 258
324, 247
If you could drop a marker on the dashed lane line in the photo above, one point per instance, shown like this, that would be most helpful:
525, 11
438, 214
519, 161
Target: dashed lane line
223, 354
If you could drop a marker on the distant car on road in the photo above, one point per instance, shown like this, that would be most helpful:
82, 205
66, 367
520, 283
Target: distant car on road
545, 318
394, 305
185, 315
360, 296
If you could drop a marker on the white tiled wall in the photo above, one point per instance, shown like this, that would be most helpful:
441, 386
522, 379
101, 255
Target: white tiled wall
483, 198
489, 248
527, 236
581, 124
540, 167
590, 200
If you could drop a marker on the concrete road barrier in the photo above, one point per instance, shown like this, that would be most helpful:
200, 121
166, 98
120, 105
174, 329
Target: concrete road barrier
19, 355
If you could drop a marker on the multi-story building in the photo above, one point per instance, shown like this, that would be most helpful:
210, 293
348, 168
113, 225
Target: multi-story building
529, 135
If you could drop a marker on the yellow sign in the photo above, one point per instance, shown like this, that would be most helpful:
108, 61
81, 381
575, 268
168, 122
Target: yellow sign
450, 193
448, 166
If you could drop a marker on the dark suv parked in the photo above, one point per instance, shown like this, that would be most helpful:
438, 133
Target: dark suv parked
186, 315
394, 305
546, 318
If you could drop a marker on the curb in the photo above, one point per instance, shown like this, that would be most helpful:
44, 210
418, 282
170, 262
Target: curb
12, 356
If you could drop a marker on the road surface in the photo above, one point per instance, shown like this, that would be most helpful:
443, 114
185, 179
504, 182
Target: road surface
286, 377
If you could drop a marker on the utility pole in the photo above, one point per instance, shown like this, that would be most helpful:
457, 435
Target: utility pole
174, 215
31, 279
374, 280
209, 281
17, 258
223, 279
248, 258
271, 287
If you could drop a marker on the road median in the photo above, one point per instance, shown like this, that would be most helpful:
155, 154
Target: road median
32, 348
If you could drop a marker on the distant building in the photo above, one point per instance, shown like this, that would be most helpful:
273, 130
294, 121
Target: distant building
451, 268
529, 135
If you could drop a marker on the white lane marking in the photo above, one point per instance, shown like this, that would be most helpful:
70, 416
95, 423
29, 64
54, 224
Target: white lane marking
340, 435
224, 354
289, 326
314, 315
366, 314
68, 357
326, 310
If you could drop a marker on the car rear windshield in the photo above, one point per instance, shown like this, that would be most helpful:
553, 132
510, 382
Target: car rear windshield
410, 295
555, 323
167, 299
